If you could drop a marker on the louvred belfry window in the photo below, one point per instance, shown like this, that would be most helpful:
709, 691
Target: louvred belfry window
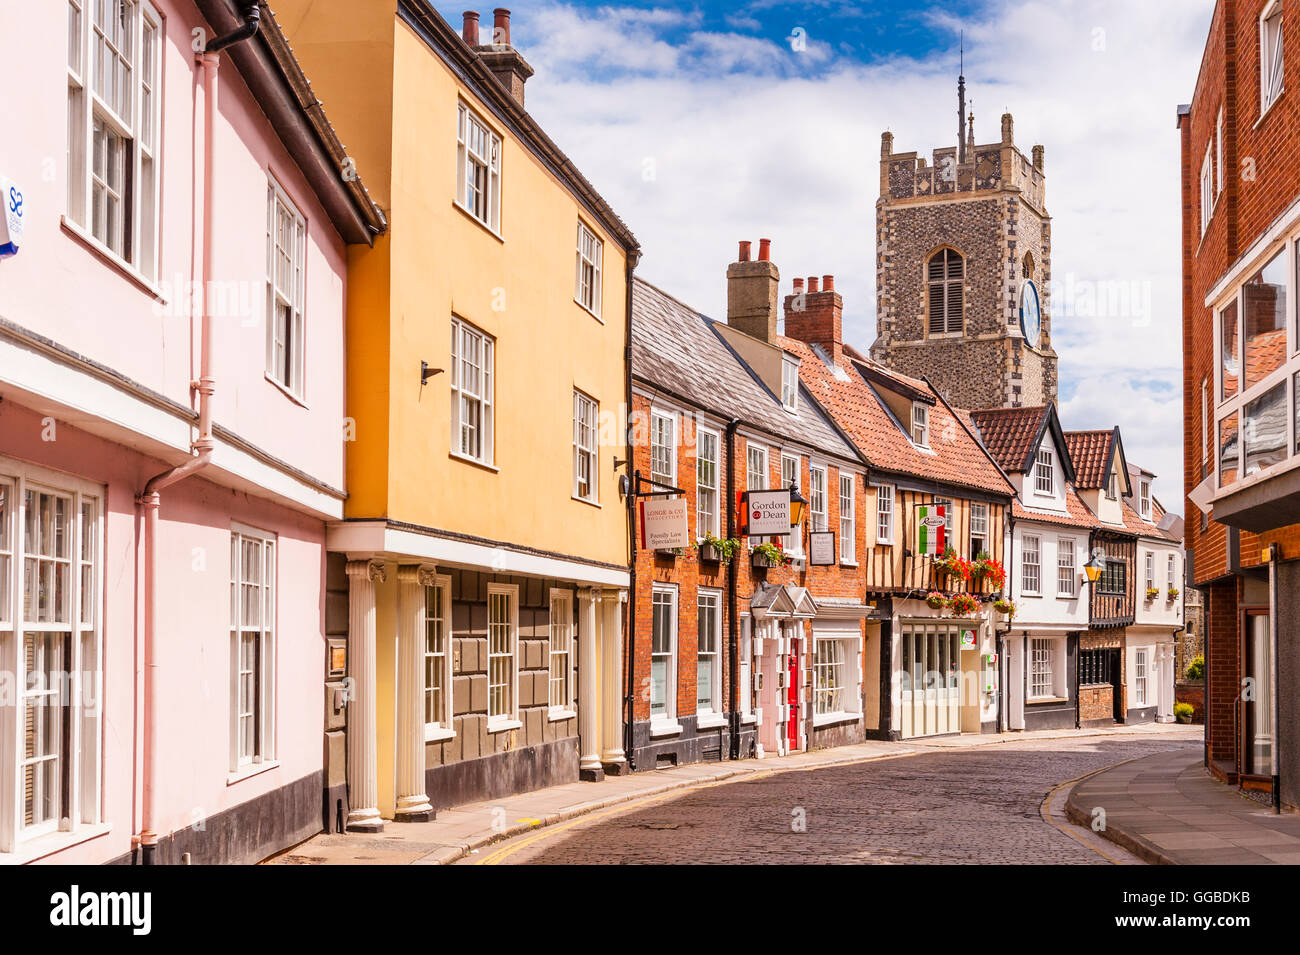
945, 274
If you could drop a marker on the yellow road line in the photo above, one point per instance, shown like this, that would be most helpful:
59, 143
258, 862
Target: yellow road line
1044, 810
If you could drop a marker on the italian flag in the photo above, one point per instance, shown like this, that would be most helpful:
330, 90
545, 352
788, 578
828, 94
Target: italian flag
930, 529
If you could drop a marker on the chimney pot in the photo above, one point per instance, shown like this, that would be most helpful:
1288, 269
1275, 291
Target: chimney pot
812, 283
764, 250
828, 283
744, 251
798, 286
469, 31
501, 26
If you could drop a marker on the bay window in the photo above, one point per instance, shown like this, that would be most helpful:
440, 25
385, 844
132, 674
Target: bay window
50, 547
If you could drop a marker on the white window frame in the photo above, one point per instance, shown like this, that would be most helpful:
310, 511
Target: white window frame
1144, 498
920, 424
285, 347
789, 383
588, 288
1207, 188
586, 447
1042, 669
1171, 571
818, 505
708, 519
884, 513
848, 519
836, 676
1044, 473
1271, 57
979, 528
561, 696
133, 243
473, 382
80, 801
263, 698
1218, 154
442, 725
716, 707
1067, 570
478, 146
1149, 566
665, 595
1031, 571
663, 448
792, 542
1140, 675
756, 477
509, 718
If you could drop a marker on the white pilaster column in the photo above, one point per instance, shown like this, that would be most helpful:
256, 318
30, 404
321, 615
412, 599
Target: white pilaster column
611, 683
363, 772
412, 799
589, 768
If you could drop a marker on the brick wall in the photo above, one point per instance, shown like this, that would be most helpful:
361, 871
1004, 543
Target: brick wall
1096, 704
1224, 668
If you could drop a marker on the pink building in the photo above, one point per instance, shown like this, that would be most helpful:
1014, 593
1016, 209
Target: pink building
163, 643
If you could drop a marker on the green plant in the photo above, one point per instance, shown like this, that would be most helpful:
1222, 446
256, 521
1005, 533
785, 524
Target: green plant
935, 600
1153, 593
725, 547
1196, 669
1183, 712
772, 552
953, 564
1173, 593
1002, 605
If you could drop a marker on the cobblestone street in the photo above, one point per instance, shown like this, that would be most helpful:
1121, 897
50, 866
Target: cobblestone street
980, 805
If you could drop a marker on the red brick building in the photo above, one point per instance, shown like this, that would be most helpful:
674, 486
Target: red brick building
1240, 233
731, 659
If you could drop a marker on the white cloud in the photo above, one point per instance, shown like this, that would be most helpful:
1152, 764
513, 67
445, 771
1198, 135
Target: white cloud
705, 138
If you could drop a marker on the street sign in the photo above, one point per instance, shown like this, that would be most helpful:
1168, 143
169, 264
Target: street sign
821, 549
931, 529
768, 512
663, 523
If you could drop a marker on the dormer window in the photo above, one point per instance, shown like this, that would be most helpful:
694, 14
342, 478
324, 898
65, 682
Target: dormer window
1043, 473
920, 424
1144, 500
1112, 486
790, 384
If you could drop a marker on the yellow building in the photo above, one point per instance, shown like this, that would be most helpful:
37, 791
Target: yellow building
483, 562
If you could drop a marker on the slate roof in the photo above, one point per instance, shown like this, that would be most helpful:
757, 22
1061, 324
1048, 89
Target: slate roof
955, 457
675, 349
1091, 452
1010, 433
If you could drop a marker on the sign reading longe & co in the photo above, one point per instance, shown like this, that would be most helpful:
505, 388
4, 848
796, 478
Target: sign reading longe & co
663, 523
768, 512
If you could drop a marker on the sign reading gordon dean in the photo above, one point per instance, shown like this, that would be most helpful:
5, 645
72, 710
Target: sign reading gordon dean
663, 523
768, 512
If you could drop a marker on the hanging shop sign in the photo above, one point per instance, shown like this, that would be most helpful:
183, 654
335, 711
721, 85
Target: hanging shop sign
968, 639
931, 529
767, 512
663, 523
821, 548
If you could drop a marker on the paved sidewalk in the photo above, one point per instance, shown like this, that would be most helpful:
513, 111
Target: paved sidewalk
1167, 810
463, 829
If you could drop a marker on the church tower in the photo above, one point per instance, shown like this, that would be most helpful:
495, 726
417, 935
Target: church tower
963, 267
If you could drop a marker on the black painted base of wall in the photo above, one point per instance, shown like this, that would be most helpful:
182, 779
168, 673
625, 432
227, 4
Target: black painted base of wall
247, 833
884, 736
1097, 724
989, 728
1051, 717
691, 745
503, 774
335, 802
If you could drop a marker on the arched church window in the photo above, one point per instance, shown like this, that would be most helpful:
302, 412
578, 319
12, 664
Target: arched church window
1028, 271
946, 271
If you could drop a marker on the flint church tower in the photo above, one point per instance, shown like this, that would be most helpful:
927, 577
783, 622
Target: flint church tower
963, 265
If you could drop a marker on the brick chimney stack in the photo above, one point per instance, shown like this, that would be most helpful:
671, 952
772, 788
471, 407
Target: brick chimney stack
505, 62
816, 316
751, 292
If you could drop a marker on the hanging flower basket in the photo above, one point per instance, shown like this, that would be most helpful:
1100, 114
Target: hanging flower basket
935, 600
1005, 607
964, 605
953, 567
769, 555
988, 569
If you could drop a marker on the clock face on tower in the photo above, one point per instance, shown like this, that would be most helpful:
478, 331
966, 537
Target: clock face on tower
1031, 319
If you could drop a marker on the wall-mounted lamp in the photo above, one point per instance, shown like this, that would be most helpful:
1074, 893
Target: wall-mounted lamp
426, 373
797, 506
1093, 568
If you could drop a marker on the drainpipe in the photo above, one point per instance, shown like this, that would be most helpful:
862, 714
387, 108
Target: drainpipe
1276, 748
150, 498
733, 646
629, 638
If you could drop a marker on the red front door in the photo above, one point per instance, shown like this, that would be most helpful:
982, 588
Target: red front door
792, 728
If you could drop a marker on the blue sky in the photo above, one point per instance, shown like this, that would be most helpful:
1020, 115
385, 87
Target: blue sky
707, 123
